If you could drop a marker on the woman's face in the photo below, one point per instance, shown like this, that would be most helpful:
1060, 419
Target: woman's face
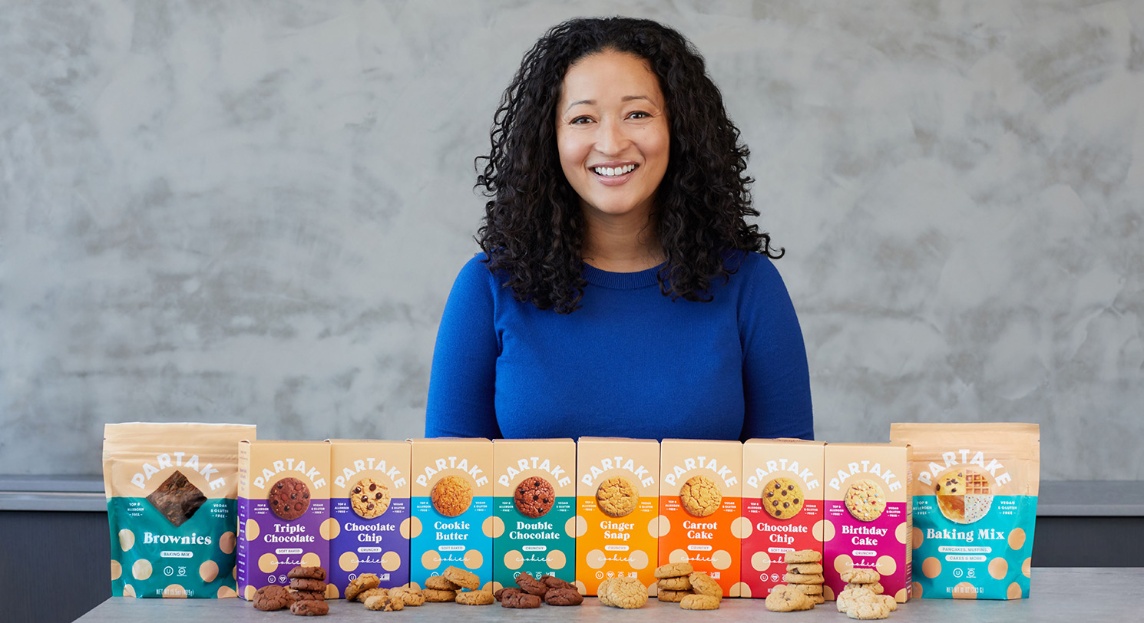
612, 134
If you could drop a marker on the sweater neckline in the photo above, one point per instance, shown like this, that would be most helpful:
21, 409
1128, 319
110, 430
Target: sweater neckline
622, 281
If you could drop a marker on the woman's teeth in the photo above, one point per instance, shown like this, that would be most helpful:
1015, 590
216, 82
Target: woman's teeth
614, 171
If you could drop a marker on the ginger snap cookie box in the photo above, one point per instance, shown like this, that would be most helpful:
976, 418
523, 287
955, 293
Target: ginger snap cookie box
975, 489
369, 511
171, 490
283, 511
534, 509
700, 514
452, 493
782, 508
867, 517
617, 511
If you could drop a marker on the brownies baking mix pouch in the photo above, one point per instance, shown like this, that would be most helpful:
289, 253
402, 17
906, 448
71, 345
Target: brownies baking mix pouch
171, 491
283, 511
867, 515
452, 493
974, 490
534, 509
369, 512
782, 508
617, 511
700, 495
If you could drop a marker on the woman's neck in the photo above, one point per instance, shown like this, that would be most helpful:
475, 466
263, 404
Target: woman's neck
621, 247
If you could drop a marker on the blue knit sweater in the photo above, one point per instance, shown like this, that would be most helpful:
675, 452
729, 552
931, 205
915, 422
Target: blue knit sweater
630, 362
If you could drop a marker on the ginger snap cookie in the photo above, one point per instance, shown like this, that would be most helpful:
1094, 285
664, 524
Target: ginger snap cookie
534, 497
785, 599
462, 578
617, 497
672, 596
675, 584
289, 498
451, 496
865, 500
369, 498
703, 584
674, 570
700, 497
699, 602
627, 593
782, 498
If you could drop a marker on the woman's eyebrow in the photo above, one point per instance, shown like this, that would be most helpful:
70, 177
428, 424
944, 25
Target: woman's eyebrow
626, 98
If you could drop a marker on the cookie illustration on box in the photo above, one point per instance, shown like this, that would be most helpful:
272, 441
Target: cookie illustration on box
534, 497
963, 495
700, 497
865, 500
289, 498
369, 498
452, 496
617, 497
783, 498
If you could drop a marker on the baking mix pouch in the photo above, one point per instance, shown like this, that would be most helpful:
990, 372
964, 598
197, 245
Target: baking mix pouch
369, 512
975, 506
782, 508
171, 491
700, 508
283, 511
617, 511
866, 523
452, 493
534, 509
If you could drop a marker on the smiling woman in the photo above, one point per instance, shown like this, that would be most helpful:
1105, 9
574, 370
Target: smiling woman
621, 291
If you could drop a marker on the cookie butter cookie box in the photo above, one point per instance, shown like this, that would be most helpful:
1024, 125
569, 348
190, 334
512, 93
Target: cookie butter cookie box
782, 508
699, 508
369, 512
617, 511
867, 522
974, 492
171, 491
452, 523
534, 509
283, 511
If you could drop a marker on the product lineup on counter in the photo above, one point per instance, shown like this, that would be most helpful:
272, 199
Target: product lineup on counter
207, 510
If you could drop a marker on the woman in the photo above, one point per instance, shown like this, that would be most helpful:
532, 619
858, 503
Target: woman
620, 292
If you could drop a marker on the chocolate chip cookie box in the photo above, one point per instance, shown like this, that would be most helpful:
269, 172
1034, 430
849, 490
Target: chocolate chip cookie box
700, 514
534, 509
369, 511
975, 489
452, 493
171, 491
283, 511
782, 508
867, 515
617, 511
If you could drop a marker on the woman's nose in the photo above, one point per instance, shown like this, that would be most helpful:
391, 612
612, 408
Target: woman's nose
612, 138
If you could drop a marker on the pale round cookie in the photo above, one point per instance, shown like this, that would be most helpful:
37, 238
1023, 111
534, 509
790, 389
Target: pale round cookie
674, 584
785, 599
807, 589
868, 607
625, 593
802, 556
617, 497
435, 596
410, 596
700, 497
475, 598
782, 498
798, 578
672, 596
361, 583
674, 570
860, 576
462, 578
440, 583
865, 500
874, 587
384, 603
699, 602
703, 584
810, 568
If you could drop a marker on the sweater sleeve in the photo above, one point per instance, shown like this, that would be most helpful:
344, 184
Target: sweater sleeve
463, 378
776, 379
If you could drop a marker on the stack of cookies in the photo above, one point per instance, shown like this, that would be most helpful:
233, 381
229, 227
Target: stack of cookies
862, 597
364, 588
804, 580
448, 587
306, 595
679, 582
551, 589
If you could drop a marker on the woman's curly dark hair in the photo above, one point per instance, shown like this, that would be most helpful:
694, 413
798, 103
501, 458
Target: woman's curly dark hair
534, 229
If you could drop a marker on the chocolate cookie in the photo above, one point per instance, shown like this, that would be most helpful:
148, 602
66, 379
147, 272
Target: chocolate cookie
505, 592
270, 598
309, 573
451, 496
296, 595
289, 498
177, 499
310, 608
531, 585
563, 597
517, 599
552, 581
305, 584
369, 498
534, 497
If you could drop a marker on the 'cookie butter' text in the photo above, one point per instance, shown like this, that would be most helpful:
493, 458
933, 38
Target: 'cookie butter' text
290, 465
865, 467
763, 473
557, 472
452, 463
618, 462
165, 460
701, 462
967, 457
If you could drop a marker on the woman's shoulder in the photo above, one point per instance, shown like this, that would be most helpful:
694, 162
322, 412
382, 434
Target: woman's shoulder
751, 266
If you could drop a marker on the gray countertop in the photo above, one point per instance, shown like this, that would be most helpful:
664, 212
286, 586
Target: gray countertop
1065, 595
1074, 498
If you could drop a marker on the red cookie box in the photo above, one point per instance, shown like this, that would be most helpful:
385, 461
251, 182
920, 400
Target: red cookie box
271, 542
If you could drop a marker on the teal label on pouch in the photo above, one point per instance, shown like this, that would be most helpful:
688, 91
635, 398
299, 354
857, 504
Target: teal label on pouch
463, 541
986, 559
537, 546
151, 557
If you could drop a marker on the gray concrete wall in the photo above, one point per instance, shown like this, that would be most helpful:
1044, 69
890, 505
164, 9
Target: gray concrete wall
253, 211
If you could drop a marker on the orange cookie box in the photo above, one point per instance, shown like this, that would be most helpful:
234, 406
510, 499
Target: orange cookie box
283, 511
782, 508
867, 523
699, 507
617, 510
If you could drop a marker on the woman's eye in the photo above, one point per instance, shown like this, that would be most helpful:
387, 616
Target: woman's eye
580, 120
639, 114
